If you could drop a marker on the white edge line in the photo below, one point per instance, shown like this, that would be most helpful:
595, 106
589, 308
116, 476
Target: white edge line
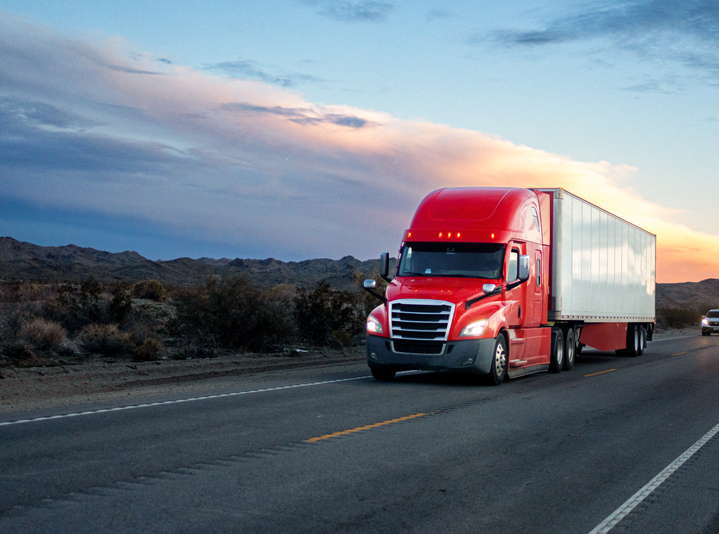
620, 513
178, 401
670, 338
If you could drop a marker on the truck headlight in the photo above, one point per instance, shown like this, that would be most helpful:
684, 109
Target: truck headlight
475, 329
705, 322
373, 326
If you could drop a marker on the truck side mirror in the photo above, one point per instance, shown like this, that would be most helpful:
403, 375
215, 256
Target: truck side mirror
523, 268
370, 284
384, 265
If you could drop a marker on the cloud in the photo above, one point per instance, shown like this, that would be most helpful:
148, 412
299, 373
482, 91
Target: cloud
252, 70
302, 115
251, 168
353, 10
684, 32
438, 14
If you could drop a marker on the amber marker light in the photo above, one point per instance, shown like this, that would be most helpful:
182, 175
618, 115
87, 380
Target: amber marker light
492, 236
440, 234
449, 234
458, 235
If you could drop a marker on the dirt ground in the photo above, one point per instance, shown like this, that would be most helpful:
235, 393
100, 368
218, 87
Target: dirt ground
97, 380
94, 381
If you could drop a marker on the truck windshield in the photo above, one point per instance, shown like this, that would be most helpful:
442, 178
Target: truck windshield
463, 260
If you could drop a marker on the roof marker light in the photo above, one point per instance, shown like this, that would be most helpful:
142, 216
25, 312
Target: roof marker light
440, 234
449, 234
458, 234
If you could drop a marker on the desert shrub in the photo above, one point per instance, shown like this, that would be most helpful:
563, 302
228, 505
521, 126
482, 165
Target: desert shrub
106, 339
76, 307
120, 304
148, 350
43, 334
149, 289
12, 319
21, 292
17, 354
325, 311
229, 312
339, 339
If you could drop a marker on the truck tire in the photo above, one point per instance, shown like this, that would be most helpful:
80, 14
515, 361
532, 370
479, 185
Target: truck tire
632, 349
570, 349
642, 340
556, 359
383, 375
500, 361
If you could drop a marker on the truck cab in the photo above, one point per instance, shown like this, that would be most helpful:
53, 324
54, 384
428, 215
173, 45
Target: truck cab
470, 291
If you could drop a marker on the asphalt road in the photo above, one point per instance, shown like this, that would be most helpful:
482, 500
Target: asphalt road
336, 451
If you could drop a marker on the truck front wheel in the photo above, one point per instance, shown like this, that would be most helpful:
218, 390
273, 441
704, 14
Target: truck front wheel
498, 368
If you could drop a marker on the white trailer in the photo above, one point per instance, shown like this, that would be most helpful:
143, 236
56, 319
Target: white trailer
603, 269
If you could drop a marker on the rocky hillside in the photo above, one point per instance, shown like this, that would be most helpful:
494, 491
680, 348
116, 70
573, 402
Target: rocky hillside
25, 261
696, 295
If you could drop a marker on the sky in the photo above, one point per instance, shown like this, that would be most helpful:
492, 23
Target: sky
299, 129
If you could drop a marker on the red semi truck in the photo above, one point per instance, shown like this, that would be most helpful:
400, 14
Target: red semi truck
505, 282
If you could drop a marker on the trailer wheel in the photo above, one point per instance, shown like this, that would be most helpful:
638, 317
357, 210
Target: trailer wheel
383, 375
498, 369
556, 359
570, 346
642, 340
632, 349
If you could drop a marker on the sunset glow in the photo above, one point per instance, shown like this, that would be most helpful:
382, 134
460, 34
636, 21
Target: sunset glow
94, 129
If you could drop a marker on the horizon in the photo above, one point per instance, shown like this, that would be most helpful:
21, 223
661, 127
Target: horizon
313, 128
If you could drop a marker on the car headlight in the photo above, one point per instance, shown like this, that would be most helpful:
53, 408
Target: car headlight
373, 326
475, 329
705, 322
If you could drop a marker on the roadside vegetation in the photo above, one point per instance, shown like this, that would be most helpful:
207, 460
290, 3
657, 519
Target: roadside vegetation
59, 323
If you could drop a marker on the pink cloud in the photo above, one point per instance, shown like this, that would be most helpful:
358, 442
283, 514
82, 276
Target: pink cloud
244, 162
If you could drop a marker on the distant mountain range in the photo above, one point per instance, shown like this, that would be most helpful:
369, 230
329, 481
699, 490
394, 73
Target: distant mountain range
25, 261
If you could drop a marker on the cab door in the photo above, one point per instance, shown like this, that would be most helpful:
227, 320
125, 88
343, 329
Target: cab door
537, 284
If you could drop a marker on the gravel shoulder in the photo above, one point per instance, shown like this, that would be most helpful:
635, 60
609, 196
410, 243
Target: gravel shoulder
97, 381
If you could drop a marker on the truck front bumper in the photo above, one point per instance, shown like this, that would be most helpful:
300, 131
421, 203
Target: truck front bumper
471, 356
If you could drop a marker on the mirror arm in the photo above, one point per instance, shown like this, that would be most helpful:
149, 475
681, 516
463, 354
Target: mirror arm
376, 295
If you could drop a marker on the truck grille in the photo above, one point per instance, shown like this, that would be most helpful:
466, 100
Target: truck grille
419, 319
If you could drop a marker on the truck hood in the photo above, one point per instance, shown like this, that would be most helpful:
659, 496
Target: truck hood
455, 290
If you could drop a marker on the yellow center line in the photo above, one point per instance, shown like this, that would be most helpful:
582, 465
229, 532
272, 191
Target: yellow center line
366, 427
680, 353
601, 372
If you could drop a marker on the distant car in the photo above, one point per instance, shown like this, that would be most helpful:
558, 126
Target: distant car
710, 323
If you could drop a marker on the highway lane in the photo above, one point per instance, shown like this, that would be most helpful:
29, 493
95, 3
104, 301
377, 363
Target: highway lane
428, 452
